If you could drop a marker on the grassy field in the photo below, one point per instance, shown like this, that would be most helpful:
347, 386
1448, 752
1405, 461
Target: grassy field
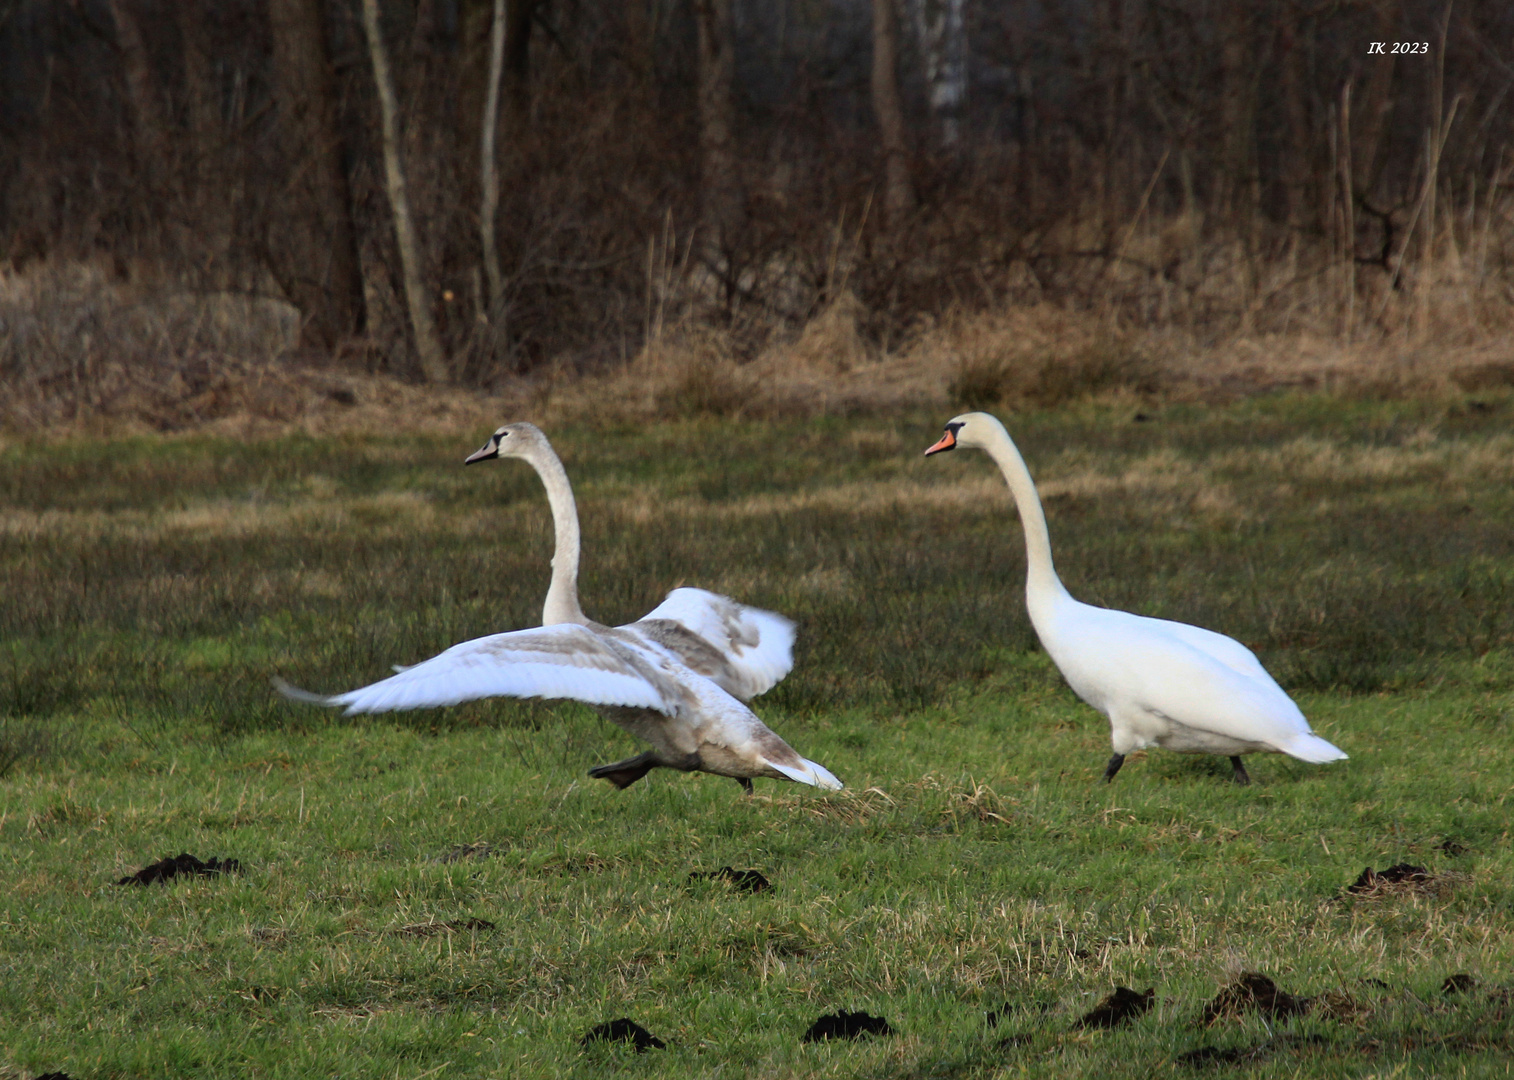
446, 894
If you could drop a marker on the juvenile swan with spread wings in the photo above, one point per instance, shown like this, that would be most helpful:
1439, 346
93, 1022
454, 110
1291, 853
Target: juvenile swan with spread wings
1160, 683
676, 678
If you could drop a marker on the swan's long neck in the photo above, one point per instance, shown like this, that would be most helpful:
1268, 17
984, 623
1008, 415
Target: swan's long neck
1041, 582
562, 597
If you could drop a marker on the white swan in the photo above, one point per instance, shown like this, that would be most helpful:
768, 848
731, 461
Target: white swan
672, 678
1160, 683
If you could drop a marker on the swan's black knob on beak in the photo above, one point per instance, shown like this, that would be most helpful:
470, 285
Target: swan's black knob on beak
489, 450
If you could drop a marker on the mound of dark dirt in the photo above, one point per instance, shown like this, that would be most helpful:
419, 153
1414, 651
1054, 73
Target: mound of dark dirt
1452, 848
623, 1030
1120, 1007
746, 880
1253, 992
1400, 877
1458, 984
53, 1076
846, 1025
184, 863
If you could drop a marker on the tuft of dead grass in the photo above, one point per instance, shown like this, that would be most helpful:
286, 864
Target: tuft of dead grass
81, 352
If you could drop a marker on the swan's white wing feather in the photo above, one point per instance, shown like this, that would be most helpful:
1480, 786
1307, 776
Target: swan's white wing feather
563, 661
1226, 650
749, 650
1123, 661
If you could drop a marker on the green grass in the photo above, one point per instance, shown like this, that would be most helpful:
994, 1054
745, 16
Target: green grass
151, 588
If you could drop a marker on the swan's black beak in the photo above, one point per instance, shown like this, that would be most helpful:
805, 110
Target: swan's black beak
489, 450
947, 441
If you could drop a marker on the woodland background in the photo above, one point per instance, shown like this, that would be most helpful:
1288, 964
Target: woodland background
1026, 199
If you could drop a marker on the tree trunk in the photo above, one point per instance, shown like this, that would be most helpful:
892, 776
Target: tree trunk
207, 198
1374, 104
423, 329
314, 251
149, 127
1235, 106
898, 192
943, 47
1298, 155
488, 181
721, 195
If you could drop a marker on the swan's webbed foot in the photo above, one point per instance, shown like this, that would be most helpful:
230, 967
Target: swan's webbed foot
1240, 776
746, 785
1114, 767
625, 773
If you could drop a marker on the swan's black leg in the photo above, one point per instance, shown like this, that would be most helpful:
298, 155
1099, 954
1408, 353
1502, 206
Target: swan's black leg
1114, 767
746, 785
625, 773
1240, 775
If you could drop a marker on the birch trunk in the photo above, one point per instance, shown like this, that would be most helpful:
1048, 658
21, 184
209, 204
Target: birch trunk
488, 179
423, 329
943, 47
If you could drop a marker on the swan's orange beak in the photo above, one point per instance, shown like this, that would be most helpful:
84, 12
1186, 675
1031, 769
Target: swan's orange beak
489, 450
947, 441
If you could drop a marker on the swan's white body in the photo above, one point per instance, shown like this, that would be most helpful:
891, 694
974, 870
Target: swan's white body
672, 678
1160, 683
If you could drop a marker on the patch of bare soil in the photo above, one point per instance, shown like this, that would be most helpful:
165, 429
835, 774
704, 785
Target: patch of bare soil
622, 1030
182, 864
1252, 991
431, 929
1397, 880
1120, 1007
1458, 984
846, 1025
750, 881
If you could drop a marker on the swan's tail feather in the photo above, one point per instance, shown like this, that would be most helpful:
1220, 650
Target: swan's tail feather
1314, 749
808, 772
294, 693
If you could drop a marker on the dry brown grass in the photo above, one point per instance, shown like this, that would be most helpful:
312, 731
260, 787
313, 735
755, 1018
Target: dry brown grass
84, 351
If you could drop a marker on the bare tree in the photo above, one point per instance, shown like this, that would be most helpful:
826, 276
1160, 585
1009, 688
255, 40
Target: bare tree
721, 193
314, 256
489, 182
888, 111
943, 47
422, 327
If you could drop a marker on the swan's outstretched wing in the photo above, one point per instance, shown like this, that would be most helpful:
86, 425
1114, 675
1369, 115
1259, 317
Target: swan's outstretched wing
563, 661
744, 650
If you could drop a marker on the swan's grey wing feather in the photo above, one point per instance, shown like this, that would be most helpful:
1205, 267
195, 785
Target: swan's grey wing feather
745, 650
563, 661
